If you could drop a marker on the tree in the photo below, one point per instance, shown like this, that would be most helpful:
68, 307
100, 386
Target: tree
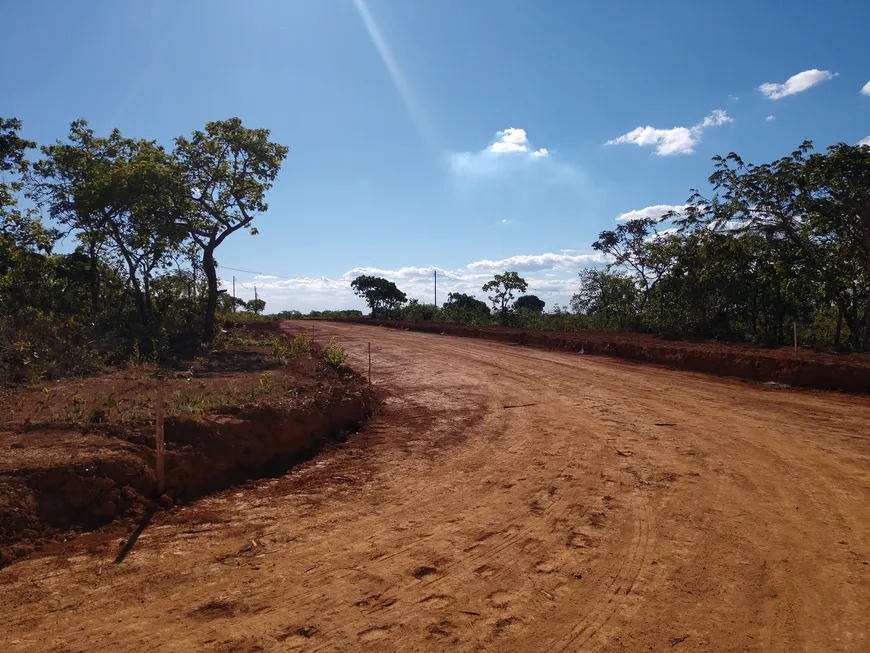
255, 306
228, 170
24, 269
607, 295
417, 312
379, 293
638, 246
228, 304
838, 213
118, 193
530, 303
503, 287
465, 309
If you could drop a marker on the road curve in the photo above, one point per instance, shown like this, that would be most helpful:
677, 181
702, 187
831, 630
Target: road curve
502, 499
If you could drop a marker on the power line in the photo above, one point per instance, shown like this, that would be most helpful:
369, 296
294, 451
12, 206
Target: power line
225, 267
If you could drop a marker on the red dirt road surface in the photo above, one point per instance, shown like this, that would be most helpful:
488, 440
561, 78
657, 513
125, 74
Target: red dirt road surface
502, 499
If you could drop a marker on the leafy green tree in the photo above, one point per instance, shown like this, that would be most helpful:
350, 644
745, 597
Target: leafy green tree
228, 304
530, 303
255, 306
228, 169
838, 216
503, 286
465, 309
122, 194
638, 246
25, 268
607, 295
379, 293
417, 312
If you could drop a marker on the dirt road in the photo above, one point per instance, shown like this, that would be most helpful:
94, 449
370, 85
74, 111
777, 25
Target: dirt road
503, 499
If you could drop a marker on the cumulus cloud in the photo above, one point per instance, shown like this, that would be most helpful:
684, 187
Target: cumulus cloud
402, 273
537, 262
511, 147
865, 141
513, 140
796, 83
865, 90
770, 118
677, 140
655, 212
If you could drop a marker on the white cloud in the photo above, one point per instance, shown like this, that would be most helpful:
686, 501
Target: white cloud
718, 117
796, 83
537, 262
403, 273
865, 90
733, 98
514, 140
506, 221
865, 141
655, 212
511, 147
677, 140
770, 118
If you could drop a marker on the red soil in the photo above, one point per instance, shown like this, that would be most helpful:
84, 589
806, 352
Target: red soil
810, 369
80, 453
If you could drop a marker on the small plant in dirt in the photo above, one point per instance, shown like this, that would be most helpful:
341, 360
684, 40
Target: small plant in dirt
301, 344
266, 383
334, 355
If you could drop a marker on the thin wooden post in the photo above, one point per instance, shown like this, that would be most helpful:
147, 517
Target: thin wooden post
159, 436
795, 339
370, 363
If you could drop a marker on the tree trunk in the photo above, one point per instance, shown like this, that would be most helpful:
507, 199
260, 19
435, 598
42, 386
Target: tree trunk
208, 267
95, 277
839, 330
149, 308
140, 300
867, 307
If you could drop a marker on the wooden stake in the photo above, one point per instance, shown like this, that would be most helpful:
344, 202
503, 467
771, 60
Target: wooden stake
159, 436
795, 339
370, 363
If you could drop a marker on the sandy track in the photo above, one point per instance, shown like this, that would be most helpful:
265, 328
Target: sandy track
629, 508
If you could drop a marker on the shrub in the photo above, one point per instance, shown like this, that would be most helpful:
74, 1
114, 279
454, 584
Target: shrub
334, 355
301, 344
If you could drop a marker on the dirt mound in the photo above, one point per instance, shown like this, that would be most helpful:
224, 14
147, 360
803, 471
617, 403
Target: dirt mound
64, 470
847, 373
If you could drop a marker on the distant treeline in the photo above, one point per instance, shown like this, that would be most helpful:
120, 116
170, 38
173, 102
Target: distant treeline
778, 247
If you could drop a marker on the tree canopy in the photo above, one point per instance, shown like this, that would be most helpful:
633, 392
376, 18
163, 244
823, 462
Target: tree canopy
503, 286
228, 169
382, 295
530, 303
144, 222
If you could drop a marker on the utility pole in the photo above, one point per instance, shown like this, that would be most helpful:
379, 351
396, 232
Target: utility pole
255, 293
234, 293
436, 287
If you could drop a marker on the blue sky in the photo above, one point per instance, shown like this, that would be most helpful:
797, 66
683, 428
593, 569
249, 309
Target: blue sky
471, 137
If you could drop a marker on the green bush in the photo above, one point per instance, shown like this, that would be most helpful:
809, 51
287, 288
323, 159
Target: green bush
334, 355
